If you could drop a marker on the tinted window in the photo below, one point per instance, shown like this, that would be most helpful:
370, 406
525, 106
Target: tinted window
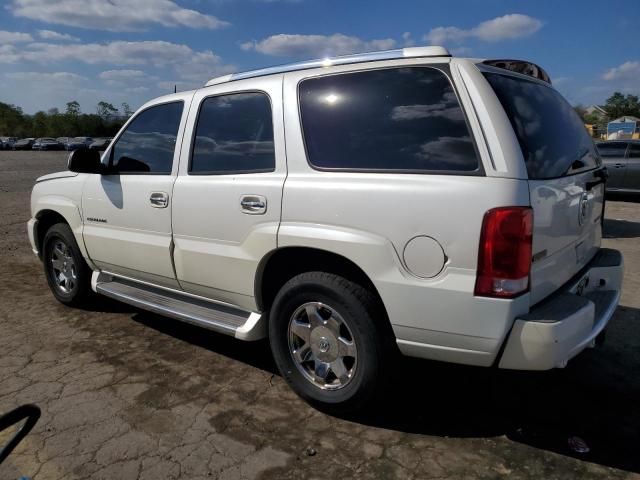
148, 143
552, 136
612, 149
405, 119
234, 135
634, 150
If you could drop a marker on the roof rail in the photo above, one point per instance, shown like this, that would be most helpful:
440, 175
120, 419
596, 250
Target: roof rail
432, 51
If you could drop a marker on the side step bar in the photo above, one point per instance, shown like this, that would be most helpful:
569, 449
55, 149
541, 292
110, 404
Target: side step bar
220, 318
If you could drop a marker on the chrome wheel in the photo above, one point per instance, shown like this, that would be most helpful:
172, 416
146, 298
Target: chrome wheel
322, 346
65, 273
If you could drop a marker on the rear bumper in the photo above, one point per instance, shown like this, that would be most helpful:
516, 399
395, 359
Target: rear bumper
562, 326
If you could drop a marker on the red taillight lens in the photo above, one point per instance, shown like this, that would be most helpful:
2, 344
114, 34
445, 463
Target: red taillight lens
504, 257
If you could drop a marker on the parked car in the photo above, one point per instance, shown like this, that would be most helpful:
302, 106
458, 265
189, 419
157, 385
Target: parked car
23, 144
346, 209
6, 143
79, 142
63, 141
622, 159
47, 144
100, 144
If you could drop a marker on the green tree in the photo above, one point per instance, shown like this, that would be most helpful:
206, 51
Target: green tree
12, 121
73, 108
126, 110
39, 125
106, 110
618, 105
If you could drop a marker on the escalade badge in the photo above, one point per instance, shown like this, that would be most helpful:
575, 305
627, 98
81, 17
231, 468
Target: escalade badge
583, 208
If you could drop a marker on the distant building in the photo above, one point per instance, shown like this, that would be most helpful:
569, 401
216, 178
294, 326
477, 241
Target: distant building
595, 109
626, 127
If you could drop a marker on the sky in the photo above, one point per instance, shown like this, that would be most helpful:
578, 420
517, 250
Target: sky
56, 51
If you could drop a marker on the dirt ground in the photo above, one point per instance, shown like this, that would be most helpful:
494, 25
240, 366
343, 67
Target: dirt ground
127, 394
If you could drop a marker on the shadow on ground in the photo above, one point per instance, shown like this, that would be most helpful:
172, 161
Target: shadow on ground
595, 398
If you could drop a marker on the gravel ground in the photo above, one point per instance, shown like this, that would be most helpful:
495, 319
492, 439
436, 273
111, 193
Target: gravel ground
126, 394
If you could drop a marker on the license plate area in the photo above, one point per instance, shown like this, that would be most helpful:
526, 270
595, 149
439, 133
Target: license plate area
581, 286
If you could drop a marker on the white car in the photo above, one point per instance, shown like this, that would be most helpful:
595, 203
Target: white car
347, 209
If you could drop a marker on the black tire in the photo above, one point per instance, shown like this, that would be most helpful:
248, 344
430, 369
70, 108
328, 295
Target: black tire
365, 320
76, 269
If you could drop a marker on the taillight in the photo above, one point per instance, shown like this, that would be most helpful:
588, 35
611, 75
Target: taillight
504, 257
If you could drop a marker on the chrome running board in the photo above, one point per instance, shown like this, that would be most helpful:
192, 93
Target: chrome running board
219, 318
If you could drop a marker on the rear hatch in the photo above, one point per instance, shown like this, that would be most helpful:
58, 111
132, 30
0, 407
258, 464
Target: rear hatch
565, 179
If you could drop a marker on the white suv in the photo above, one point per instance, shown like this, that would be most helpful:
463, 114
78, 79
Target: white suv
348, 208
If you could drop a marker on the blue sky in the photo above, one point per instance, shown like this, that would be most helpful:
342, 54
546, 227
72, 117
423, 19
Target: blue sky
54, 51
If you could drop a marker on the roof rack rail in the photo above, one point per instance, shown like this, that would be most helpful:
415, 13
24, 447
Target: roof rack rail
432, 51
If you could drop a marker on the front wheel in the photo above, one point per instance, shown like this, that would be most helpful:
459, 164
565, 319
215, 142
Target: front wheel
327, 338
68, 275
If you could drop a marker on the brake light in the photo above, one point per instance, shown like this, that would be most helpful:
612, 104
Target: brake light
504, 256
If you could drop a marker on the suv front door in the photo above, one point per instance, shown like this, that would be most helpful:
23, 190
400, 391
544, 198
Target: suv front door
632, 176
127, 213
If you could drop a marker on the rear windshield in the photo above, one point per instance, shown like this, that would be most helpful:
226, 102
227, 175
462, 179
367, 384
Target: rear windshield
552, 136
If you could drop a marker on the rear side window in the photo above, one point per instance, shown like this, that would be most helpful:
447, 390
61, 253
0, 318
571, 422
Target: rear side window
552, 136
148, 143
234, 134
634, 150
612, 149
398, 119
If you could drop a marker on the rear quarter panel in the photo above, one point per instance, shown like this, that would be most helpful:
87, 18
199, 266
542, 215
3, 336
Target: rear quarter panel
370, 217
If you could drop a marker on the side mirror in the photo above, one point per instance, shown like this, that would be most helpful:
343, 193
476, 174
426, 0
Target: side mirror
84, 160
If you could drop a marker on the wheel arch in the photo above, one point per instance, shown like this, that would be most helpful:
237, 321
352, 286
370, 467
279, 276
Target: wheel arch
46, 219
284, 263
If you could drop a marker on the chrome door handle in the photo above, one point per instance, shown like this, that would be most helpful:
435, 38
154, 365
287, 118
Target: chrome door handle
253, 204
619, 165
159, 199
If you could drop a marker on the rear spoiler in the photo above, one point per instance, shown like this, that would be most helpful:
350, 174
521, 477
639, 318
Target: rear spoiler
520, 66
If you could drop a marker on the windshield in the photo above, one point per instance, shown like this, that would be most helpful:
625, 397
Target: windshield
552, 137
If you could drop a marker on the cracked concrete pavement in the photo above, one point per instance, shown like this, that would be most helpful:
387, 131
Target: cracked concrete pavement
126, 394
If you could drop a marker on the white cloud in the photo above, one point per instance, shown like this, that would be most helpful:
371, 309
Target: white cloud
407, 40
46, 77
14, 37
627, 71
291, 45
507, 27
9, 54
122, 75
114, 15
156, 53
156, 60
56, 36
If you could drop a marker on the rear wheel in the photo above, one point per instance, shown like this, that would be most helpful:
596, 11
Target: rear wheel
326, 334
67, 273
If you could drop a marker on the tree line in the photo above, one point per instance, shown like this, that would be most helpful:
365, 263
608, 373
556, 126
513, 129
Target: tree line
616, 106
71, 123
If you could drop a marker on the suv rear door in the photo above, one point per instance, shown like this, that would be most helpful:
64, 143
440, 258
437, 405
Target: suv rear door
562, 164
227, 198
